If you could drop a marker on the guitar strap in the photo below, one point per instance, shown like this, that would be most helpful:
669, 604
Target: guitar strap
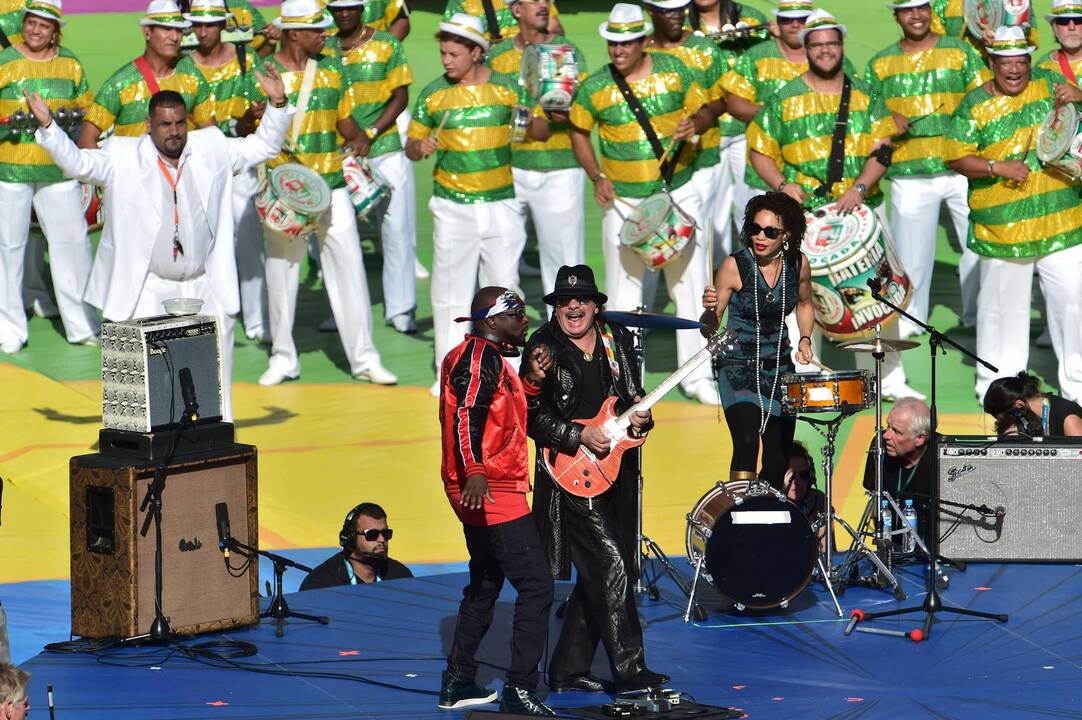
836, 163
609, 342
648, 129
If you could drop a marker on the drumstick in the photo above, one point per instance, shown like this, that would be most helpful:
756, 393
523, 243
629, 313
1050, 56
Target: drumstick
625, 202
436, 135
665, 155
820, 365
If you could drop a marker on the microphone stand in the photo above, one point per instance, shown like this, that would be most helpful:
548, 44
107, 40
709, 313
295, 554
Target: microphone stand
278, 608
932, 602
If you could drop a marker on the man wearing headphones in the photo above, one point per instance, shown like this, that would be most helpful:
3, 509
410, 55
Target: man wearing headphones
363, 559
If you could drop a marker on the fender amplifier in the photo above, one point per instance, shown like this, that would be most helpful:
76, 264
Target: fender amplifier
1034, 485
141, 362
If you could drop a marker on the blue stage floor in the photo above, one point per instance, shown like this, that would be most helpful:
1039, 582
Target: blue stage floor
791, 664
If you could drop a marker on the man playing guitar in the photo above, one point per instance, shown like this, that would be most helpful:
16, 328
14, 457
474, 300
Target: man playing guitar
592, 360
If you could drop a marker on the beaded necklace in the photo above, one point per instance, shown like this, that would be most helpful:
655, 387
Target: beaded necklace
764, 414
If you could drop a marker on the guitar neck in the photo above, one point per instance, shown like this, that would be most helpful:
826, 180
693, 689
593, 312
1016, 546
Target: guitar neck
624, 420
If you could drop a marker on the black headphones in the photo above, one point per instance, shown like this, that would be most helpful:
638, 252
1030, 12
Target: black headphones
1024, 425
347, 535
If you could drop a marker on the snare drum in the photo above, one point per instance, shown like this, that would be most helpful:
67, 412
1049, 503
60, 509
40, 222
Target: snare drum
520, 123
759, 550
550, 74
1059, 142
844, 251
994, 13
657, 229
366, 184
293, 200
827, 392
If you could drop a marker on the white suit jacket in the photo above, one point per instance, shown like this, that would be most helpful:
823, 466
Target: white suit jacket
127, 169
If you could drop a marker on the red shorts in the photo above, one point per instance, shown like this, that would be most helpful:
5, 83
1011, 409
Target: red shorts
505, 507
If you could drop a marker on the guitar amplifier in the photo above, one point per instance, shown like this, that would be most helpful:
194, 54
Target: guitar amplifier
141, 362
1034, 482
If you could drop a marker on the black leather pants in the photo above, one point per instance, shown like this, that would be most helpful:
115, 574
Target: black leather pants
602, 605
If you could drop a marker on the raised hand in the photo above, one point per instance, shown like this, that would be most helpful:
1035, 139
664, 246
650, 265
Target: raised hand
271, 82
38, 108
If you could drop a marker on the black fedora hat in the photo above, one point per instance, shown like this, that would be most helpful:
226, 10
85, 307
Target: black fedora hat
575, 281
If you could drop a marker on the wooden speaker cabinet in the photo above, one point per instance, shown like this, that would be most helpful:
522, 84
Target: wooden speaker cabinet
112, 565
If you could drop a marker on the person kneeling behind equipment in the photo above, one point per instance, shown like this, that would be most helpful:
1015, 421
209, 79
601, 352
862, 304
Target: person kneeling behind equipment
363, 559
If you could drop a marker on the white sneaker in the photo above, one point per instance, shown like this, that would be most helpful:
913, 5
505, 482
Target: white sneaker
404, 323
434, 391
420, 271
45, 308
901, 390
92, 341
254, 335
376, 374
705, 392
274, 376
11, 346
328, 325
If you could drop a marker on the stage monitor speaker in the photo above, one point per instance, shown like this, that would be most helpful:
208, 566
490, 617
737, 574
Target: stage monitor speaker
112, 565
1035, 483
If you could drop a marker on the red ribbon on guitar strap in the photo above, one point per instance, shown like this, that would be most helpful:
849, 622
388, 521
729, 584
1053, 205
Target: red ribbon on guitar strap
1065, 66
143, 67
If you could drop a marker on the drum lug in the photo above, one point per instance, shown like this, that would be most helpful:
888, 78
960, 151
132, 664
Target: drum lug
740, 606
784, 604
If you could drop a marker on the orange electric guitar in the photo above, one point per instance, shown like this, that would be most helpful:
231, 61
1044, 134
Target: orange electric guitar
587, 475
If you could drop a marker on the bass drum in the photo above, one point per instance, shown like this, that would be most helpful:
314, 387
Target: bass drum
759, 550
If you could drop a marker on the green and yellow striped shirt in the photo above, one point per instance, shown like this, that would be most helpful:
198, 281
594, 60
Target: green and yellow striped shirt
1049, 64
380, 14
1007, 219
11, 19
759, 73
247, 15
554, 153
373, 70
62, 83
708, 64
670, 92
121, 102
228, 93
318, 146
926, 87
795, 130
473, 164
508, 24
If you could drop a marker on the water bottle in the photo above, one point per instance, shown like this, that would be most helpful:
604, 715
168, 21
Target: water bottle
910, 516
888, 521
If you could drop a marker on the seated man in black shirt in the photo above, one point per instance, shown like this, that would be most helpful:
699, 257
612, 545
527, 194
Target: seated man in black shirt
364, 538
907, 467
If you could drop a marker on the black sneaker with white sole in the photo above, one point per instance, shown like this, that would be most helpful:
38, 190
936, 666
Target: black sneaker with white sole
456, 694
523, 702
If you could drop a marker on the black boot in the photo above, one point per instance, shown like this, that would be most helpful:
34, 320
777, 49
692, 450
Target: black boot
642, 680
456, 693
523, 702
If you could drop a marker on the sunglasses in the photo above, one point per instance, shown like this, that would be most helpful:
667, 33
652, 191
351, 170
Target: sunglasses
373, 534
1065, 21
517, 313
772, 233
790, 20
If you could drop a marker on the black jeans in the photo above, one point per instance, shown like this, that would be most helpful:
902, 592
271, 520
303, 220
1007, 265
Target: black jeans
743, 419
602, 605
509, 550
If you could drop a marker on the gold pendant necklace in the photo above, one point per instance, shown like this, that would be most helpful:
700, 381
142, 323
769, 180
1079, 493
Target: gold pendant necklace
588, 357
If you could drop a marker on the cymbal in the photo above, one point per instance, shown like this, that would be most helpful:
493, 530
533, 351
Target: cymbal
651, 321
881, 345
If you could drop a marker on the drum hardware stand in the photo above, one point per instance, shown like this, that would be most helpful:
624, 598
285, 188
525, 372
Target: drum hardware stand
932, 603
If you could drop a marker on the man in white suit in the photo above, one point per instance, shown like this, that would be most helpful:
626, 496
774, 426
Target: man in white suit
168, 209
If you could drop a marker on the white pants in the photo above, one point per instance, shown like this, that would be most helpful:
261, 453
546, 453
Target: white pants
685, 276
472, 243
914, 206
342, 265
554, 199
157, 289
251, 257
60, 214
398, 235
1003, 310
732, 194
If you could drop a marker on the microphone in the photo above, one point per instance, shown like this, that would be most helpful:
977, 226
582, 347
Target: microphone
221, 512
52, 707
873, 282
187, 391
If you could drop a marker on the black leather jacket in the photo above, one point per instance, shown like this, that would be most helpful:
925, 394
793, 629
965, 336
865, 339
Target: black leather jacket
548, 425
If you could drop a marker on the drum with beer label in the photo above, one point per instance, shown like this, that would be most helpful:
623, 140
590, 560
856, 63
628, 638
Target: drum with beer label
367, 186
981, 14
550, 73
293, 200
1059, 141
657, 229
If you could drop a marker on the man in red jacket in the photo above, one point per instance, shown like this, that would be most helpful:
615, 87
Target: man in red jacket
486, 475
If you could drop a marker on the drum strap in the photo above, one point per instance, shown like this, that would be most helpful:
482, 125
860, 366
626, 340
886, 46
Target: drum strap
143, 67
242, 57
5, 42
492, 21
836, 163
644, 122
1065, 66
303, 96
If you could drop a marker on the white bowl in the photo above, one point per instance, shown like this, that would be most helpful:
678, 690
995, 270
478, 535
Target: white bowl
182, 306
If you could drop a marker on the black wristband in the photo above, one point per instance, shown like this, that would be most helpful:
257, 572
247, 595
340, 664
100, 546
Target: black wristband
803, 338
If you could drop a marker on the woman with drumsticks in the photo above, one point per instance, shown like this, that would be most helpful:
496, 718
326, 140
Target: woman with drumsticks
760, 284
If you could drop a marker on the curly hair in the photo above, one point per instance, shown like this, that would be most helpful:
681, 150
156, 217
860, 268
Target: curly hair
787, 209
1004, 392
800, 450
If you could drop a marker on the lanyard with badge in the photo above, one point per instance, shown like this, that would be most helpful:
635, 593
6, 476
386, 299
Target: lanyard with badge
178, 249
352, 575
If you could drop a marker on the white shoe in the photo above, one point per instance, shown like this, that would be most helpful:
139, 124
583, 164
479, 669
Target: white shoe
901, 390
92, 341
328, 325
11, 346
404, 323
420, 271
705, 392
376, 374
45, 308
274, 376
254, 335
1044, 340
434, 391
